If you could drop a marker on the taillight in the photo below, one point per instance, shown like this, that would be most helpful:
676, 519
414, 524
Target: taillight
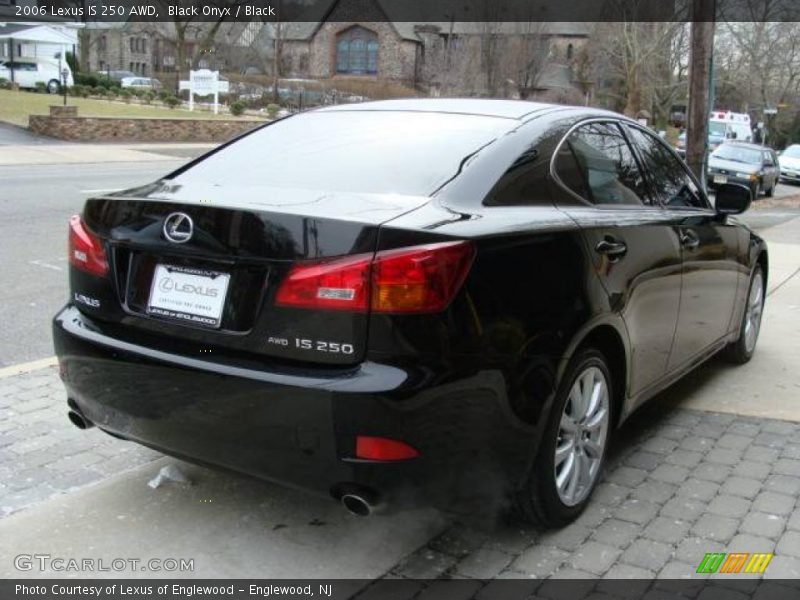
419, 279
377, 448
338, 284
85, 250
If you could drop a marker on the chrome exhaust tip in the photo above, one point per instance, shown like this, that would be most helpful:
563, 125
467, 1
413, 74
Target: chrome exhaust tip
357, 505
79, 420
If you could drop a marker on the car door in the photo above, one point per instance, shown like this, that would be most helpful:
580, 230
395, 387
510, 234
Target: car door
710, 274
633, 246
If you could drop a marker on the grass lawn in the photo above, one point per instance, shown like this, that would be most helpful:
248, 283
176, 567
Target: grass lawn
16, 106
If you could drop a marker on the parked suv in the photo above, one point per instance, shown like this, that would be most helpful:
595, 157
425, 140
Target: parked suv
30, 71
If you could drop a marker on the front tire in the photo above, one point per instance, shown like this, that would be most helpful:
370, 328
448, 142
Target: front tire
771, 191
573, 449
742, 350
53, 86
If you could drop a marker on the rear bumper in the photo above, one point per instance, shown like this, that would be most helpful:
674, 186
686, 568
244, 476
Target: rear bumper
730, 179
299, 428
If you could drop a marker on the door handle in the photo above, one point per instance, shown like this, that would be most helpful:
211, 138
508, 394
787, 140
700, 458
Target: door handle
612, 248
689, 239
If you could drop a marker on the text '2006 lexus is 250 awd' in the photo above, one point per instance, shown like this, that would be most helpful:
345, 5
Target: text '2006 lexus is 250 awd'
440, 302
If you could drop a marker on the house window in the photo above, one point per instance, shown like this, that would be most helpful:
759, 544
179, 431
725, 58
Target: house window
357, 52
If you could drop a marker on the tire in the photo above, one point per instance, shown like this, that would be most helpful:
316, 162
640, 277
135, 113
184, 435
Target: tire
542, 500
742, 350
53, 86
771, 191
755, 190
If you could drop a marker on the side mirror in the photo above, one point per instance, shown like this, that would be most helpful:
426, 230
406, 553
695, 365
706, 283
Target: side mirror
732, 199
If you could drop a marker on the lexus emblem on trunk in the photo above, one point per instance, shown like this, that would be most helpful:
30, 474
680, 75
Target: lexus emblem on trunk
178, 227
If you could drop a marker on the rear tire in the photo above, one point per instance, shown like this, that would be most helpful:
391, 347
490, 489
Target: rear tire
742, 350
573, 448
771, 191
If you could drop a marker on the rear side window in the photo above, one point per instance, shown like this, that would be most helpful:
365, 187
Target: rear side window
406, 153
597, 163
672, 184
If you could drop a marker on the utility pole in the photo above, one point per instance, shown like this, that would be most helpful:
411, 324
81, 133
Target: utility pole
700, 74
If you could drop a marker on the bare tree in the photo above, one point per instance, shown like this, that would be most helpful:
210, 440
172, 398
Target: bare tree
188, 28
528, 56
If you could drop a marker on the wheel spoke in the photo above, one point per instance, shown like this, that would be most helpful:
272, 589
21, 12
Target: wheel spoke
587, 388
575, 476
597, 421
563, 451
565, 476
594, 400
593, 449
586, 470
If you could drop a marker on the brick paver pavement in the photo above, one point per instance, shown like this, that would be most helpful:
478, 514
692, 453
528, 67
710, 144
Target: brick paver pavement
678, 484
42, 453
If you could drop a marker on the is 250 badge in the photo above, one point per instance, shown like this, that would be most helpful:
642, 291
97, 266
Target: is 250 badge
313, 345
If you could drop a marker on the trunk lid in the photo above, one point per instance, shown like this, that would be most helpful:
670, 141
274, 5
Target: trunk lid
240, 248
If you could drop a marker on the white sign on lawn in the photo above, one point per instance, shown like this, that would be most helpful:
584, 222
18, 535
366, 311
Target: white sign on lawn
204, 83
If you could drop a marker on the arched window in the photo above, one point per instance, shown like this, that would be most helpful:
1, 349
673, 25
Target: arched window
357, 52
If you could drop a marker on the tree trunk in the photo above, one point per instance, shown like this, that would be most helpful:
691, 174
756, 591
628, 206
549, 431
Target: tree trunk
634, 103
702, 45
180, 55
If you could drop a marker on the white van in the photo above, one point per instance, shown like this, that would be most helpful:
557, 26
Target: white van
731, 126
29, 71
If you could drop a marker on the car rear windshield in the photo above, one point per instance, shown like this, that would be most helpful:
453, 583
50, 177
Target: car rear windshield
408, 153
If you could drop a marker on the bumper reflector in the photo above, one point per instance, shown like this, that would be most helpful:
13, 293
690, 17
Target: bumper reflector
377, 448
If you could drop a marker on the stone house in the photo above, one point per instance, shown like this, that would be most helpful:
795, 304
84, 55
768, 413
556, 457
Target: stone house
453, 57
120, 47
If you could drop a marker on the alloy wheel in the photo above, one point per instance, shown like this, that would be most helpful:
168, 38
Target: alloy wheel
582, 436
755, 306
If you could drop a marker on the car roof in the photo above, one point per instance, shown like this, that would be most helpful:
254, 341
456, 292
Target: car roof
506, 109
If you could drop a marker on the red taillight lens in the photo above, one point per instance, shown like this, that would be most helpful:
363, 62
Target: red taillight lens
420, 279
377, 448
85, 250
338, 284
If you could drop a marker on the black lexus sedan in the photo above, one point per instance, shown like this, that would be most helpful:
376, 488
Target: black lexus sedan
439, 302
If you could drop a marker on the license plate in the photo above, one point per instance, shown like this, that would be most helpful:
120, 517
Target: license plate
720, 179
192, 295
